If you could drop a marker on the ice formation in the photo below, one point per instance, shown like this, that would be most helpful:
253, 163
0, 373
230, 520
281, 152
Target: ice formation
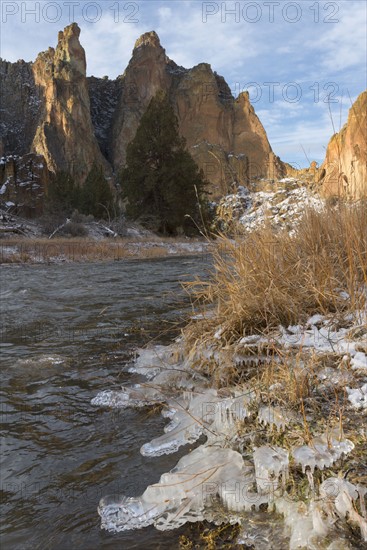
206, 474
271, 463
194, 415
343, 495
275, 416
138, 395
149, 362
214, 482
322, 452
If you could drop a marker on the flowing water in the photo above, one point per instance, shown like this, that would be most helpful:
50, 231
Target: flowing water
69, 331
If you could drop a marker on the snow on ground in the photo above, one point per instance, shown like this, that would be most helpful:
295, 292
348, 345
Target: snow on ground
282, 206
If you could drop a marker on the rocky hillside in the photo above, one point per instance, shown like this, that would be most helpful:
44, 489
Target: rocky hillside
74, 121
344, 170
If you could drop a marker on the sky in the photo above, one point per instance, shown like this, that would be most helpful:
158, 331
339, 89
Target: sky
303, 62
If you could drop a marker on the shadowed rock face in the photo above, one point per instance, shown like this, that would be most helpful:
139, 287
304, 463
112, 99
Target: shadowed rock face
21, 102
74, 121
344, 170
23, 183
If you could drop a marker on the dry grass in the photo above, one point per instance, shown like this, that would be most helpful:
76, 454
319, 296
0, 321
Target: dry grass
273, 279
269, 279
42, 250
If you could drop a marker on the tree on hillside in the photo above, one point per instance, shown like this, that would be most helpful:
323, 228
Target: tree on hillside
161, 181
96, 197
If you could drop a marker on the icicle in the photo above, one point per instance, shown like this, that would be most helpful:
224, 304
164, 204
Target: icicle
322, 452
274, 416
270, 463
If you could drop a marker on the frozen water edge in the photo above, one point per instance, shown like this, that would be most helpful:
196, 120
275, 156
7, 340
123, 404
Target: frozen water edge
256, 476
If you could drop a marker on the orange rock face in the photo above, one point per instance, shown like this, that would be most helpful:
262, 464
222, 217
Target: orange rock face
74, 121
344, 170
224, 135
65, 134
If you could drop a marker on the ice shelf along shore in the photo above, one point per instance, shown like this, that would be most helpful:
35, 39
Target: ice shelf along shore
252, 450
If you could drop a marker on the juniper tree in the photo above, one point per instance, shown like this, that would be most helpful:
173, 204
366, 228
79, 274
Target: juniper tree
161, 182
95, 195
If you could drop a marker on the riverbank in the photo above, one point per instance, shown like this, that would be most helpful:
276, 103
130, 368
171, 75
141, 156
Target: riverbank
272, 372
60, 250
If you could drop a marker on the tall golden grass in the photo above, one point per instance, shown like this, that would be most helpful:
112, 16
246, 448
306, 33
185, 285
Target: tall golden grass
270, 278
27, 250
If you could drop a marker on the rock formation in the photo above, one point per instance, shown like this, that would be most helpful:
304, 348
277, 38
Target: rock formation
224, 135
344, 170
21, 102
52, 109
23, 182
65, 134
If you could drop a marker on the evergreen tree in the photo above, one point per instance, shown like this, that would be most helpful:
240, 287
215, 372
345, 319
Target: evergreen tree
161, 181
96, 196
62, 194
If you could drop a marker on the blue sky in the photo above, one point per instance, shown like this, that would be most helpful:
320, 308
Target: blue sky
291, 56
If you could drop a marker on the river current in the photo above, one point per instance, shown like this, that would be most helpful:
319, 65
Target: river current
69, 331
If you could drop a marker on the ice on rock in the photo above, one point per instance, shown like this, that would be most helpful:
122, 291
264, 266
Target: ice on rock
358, 397
275, 416
134, 396
322, 452
181, 495
271, 463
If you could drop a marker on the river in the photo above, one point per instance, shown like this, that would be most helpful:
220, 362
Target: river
69, 331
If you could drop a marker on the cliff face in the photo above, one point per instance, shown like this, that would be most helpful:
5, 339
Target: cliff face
21, 103
224, 135
104, 95
65, 134
52, 109
344, 170
23, 182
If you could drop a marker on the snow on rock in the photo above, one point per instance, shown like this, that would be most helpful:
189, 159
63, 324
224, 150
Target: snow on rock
358, 397
359, 361
281, 204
